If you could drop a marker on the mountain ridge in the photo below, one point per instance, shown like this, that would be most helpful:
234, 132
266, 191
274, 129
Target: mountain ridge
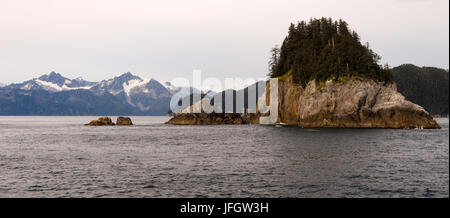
426, 86
54, 94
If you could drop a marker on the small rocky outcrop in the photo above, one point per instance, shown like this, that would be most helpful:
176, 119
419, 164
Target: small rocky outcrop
213, 119
102, 121
124, 121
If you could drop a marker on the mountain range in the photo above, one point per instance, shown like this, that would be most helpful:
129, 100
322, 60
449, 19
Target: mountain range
54, 94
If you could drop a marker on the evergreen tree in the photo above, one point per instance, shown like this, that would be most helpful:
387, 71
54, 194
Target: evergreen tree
323, 49
275, 56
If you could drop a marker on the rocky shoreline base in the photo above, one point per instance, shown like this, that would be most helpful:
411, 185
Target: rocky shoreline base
351, 103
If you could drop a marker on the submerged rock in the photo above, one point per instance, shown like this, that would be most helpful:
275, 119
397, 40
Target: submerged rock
124, 121
102, 121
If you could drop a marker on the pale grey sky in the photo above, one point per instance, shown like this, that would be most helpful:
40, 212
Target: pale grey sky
164, 39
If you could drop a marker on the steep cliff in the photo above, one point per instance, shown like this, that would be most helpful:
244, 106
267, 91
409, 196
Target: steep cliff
349, 103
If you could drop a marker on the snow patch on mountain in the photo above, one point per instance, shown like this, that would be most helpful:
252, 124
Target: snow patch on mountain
26, 86
169, 86
64, 87
49, 86
135, 83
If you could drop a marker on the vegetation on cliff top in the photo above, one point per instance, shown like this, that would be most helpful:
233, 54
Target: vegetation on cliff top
323, 49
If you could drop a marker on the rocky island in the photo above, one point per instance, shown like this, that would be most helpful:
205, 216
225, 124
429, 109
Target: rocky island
106, 121
357, 103
328, 79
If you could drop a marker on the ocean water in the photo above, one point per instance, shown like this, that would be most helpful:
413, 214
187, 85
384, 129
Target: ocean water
59, 157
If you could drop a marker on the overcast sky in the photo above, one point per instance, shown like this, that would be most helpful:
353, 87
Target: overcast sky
164, 39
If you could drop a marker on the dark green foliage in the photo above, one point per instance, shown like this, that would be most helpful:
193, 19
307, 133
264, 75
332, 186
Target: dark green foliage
426, 86
322, 49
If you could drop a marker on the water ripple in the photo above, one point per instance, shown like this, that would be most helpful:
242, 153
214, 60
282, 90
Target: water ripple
59, 157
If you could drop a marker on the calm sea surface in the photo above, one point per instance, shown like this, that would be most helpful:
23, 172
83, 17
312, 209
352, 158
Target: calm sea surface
59, 157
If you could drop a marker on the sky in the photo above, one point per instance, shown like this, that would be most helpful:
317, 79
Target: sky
165, 39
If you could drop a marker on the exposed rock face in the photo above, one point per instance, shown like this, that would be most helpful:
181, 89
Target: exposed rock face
102, 121
126, 121
354, 103
357, 103
213, 119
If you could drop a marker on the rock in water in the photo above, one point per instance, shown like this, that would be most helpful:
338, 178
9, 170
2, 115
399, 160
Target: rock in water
213, 119
353, 103
102, 121
126, 121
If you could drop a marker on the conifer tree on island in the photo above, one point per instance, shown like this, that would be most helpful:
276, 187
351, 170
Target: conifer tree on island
325, 49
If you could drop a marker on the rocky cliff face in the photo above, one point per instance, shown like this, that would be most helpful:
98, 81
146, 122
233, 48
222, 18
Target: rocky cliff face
355, 103
351, 103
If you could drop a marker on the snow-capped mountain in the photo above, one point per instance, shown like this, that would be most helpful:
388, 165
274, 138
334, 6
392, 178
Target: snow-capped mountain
182, 90
53, 82
131, 85
1, 84
169, 86
54, 94
118, 84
